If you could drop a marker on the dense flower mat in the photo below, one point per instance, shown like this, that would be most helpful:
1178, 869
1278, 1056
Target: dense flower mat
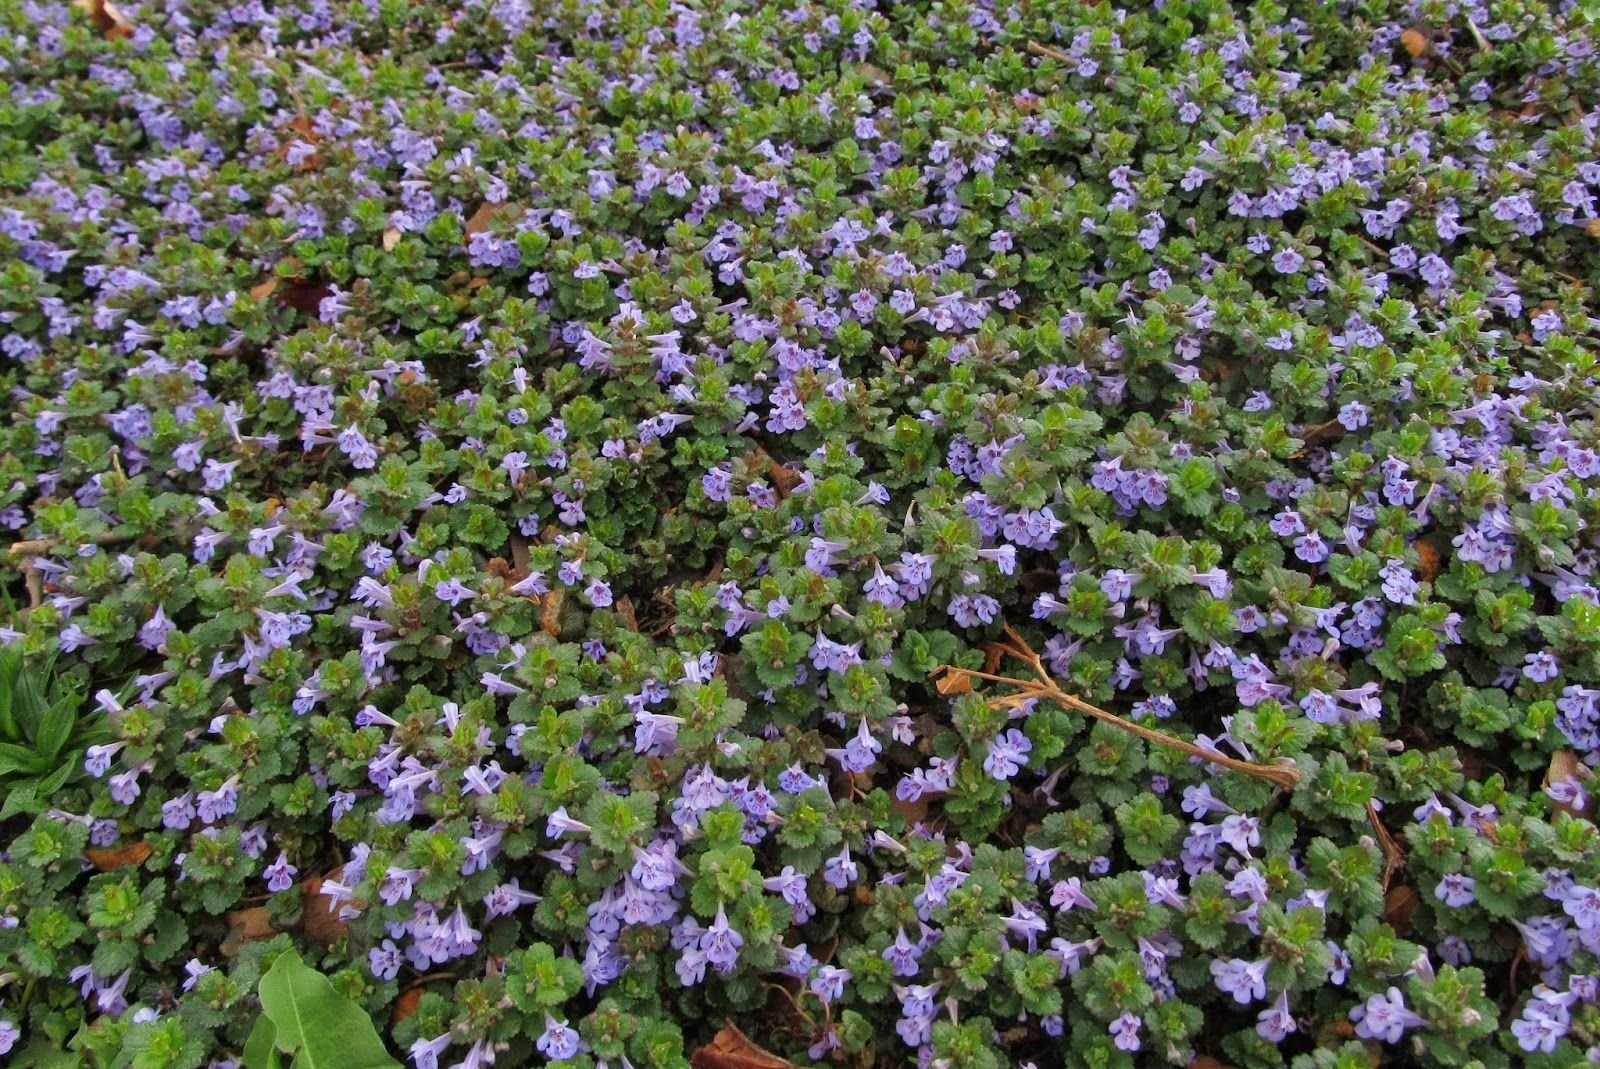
500, 483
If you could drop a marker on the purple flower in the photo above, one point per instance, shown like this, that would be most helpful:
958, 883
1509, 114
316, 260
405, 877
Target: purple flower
840, 870
720, 944
1384, 1017
1456, 890
280, 874
1125, 1031
385, 960
1541, 667
558, 1042
902, 955
1008, 753
1246, 981
1276, 1022
425, 1052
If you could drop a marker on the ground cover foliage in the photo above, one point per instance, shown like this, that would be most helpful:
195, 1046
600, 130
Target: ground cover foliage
521, 505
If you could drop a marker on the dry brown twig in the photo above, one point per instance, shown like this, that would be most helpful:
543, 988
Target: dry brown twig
1045, 687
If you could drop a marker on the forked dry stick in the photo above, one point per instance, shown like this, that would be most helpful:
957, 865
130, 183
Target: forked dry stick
1045, 687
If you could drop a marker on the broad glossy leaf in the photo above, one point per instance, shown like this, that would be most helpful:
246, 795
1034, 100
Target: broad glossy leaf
323, 1029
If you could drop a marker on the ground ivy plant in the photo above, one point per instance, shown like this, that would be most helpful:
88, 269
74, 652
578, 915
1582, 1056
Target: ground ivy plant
524, 502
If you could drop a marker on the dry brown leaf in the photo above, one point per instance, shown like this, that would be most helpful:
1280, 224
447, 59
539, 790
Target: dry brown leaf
106, 858
246, 926
319, 914
953, 684
1398, 906
1429, 562
550, 617
391, 238
107, 18
732, 1049
1414, 41
519, 553
405, 1005
264, 289
630, 619
481, 219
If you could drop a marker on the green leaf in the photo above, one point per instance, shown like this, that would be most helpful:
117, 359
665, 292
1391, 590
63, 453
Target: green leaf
22, 798
55, 780
261, 1050
314, 1022
55, 727
18, 759
29, 705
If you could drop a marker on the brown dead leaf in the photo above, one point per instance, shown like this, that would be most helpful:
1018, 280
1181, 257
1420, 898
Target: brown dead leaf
994, 654
630, 619
498, 568
246, 926
915, 812
106, 858
484, 217
319, 914
405, 1005
953, 684
732, 1049
1429, 561
1592, 228
550, 617
1206, 1061
519, 553
391, 238
1398, 906
107, 18
264, 289
1414, 41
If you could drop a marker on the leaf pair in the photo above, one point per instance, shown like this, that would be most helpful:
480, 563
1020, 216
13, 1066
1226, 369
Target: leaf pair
302, 1015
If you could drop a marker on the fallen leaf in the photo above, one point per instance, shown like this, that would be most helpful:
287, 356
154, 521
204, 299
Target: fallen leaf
630, 619
484, 217
106, 858
264, 289
405, 1005
953, 684
319, 914
550, 617
519, 553
1414, 41
246, 926
914, 812
1428, 561
391, 238
107, 18
732, 1049
1398, 906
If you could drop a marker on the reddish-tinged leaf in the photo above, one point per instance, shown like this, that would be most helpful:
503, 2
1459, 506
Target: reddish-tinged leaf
106, 858
107, 18
732, 1049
